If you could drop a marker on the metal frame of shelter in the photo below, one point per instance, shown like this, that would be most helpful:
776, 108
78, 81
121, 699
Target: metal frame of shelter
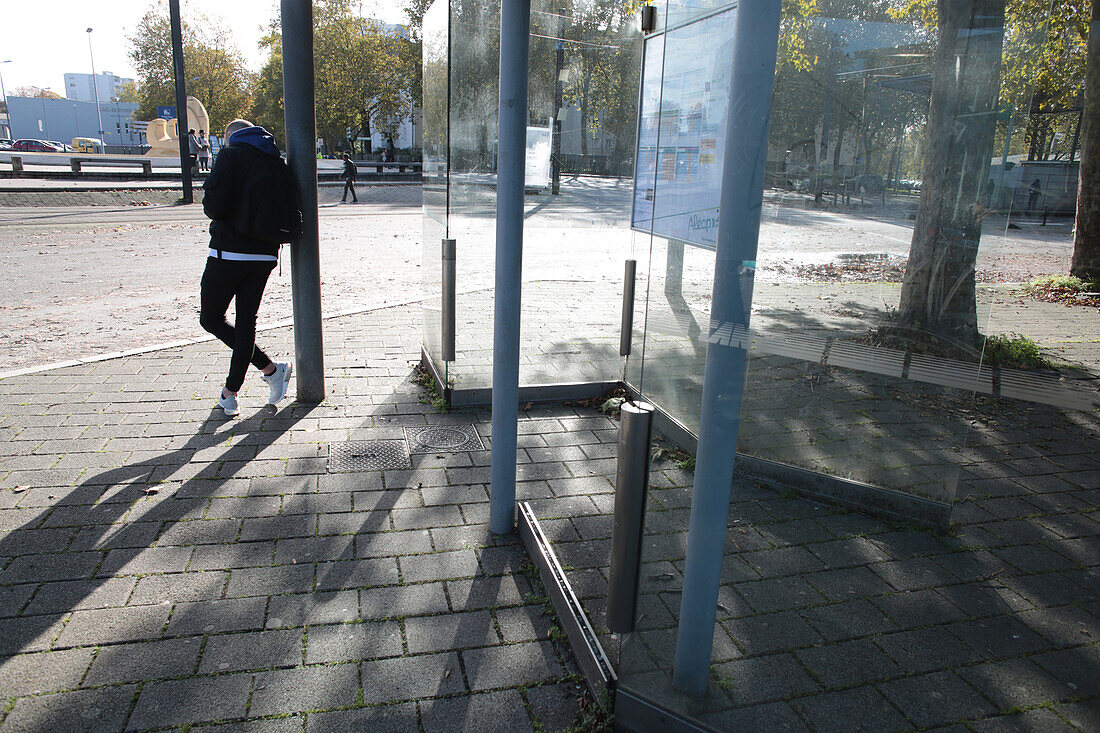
752, 76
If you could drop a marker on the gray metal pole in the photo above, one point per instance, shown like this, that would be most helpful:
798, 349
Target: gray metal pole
631, 483
181, 97
626, 328
753, 75
447, 311
515, 24
305, 255
95, 92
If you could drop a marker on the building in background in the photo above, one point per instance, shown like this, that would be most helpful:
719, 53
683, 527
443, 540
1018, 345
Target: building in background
64, 119
79, 86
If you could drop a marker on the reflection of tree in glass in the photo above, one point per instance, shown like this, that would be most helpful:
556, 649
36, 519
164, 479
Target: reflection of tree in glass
939, 293
366, 76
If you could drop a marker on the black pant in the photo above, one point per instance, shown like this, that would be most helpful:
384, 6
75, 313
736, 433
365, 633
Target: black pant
222, 281
349, 185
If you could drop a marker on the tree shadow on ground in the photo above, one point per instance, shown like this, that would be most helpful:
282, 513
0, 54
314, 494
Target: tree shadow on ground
114, 516
820, 607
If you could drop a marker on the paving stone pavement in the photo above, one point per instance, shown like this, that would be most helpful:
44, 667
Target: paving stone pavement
163, 567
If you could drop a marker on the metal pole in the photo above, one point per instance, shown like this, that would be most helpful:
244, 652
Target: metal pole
626, 328
4, 97
305, 254
448, 305
631, 482
753, 75
181, 97
515, 24
95, 92
1004, 160
555, 144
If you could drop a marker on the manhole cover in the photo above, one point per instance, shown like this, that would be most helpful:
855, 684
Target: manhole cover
368, 455
443, 438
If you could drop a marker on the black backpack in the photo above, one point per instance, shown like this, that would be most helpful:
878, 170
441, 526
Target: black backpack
269, 208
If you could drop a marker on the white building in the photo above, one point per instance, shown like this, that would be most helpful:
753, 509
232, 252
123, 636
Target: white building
79, 86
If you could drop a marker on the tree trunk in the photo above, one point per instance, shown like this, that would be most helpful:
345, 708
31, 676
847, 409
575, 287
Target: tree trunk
1086, 240
938, 294
584, 111
836, 176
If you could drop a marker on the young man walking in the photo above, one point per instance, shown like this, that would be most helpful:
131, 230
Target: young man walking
238, 265
350, 171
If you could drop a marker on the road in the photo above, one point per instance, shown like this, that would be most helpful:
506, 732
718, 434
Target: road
85, 281
82, 281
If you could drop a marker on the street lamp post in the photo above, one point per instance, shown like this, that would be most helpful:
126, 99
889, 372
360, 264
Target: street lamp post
4, 96
95, 90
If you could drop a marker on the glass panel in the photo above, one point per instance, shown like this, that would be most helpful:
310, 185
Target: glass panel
582, 115
885, 349
866, 314
436, 86
582, 90
475, 39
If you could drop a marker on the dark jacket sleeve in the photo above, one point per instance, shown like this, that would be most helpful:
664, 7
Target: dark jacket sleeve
220, 186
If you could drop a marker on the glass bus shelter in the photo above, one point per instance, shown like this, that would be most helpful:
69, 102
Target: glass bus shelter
888, 357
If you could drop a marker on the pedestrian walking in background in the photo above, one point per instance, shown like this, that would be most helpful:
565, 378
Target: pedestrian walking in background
204, 151
1033, 193
193, 148
239, 263
350, 171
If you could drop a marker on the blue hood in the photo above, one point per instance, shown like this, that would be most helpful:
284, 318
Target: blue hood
256, 137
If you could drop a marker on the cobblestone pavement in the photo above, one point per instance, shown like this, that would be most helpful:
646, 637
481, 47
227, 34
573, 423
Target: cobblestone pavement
833, 621
161, 565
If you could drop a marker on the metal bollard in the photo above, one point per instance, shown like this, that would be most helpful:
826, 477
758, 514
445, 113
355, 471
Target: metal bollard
627, 328
448, 313
631, 482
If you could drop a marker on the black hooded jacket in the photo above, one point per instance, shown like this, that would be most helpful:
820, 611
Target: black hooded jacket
243, 157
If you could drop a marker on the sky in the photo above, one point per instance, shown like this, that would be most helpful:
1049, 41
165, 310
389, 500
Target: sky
45, 46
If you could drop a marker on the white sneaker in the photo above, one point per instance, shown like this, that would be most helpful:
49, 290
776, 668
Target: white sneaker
277, 382
229, 405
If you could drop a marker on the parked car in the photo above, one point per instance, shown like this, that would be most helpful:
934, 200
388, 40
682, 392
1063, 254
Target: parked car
36, 146
830, 184
6, 143
867, 183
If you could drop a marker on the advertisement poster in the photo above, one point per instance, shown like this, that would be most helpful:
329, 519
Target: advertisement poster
537, 168
685, 96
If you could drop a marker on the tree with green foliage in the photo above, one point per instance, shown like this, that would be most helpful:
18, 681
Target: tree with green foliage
1044, 68
364, 75
128, 93
217, 74
601, 60
267, 100
35, 93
